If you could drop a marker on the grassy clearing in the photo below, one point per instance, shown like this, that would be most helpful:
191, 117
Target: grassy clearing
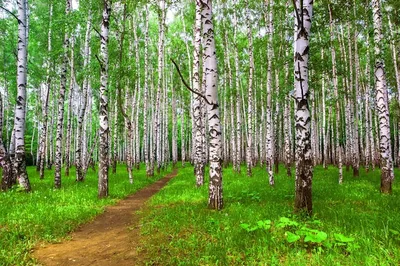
48, 215
179, 230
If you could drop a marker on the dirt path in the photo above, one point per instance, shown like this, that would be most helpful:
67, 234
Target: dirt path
111, 239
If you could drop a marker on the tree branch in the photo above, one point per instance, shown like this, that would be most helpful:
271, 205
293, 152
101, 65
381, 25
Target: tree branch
98, 59
299, 22
97, 32
187, 86
12, 14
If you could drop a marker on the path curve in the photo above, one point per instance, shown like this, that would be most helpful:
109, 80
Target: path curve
111, 239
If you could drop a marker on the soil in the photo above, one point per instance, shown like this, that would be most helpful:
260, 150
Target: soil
113, 238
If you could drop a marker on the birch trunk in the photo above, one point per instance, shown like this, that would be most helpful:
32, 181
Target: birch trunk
139, 95
249, 151
146, 96
174, 128
115, 138
395, 57
20, 107
5, 161
238, 113
79, 159
199, 163
61, 99
304, 168
269, 123
157, 126
335, 88
69, 116
387, 174
43, 136
103, 112
356, 151
215, 200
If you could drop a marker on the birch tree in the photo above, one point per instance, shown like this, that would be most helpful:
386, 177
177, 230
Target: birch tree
335, 88
210, 71
20, 106
304, 167
249, 151
103, 115
61, 99
45, 108
79, 159
269, 123
382, 105
197, 102
5, 161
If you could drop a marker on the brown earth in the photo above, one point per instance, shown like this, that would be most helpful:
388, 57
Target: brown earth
113, 238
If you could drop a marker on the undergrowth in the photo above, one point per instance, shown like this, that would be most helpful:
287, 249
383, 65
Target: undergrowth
353, 223
48, 215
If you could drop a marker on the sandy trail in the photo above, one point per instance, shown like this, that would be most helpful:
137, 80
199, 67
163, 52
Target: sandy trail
111, 239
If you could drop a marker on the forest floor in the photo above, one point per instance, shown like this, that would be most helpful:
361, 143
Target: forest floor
111, 239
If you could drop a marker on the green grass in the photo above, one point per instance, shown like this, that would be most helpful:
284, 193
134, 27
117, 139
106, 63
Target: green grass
178, 229
46, 214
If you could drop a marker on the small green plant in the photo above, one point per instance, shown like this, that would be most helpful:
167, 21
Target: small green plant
264, 224
286, 222
346, 243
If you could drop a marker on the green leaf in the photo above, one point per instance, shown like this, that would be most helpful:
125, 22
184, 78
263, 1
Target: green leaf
316, 237
245, 227
291, 238
284, 221
266, 224
344, 239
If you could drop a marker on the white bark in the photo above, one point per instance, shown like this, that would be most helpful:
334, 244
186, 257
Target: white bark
269, 123
79, 159
146, 97
103, 112
20, 107
210, 71
61, 99
249, 151
199, 162
387, 174
304, 168
336, 93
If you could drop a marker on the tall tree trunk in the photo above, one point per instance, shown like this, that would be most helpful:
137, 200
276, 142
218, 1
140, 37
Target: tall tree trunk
69, 116
324, 134
114, 155
249, 150
183, 147
199, 163
103, 112
174, 128
45, 110
146, 97
395, 56
138, 101
157, 126
335, 88
238, 112
356, 152
79, 159
5, 162
269, 122
214, 127
304, 168
387, 174
61, 99
20, 107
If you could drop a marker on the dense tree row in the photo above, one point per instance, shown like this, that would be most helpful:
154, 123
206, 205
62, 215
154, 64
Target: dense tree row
228, 82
